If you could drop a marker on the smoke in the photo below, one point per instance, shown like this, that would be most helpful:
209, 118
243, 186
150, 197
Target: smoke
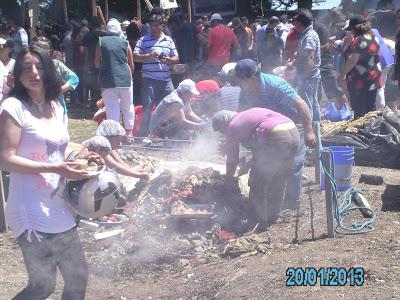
204, 148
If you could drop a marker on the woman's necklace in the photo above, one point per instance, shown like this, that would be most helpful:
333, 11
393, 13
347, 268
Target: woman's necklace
40, 105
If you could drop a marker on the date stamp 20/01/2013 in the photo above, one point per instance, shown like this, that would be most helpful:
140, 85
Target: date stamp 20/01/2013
332, 276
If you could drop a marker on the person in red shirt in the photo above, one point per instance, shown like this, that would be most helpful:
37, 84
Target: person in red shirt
292, 41
221, 42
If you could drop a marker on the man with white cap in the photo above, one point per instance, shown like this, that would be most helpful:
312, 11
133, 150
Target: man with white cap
221, 42
174, 115
228, 96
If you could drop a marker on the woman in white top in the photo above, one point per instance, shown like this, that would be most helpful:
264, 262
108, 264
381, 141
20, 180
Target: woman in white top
33, 139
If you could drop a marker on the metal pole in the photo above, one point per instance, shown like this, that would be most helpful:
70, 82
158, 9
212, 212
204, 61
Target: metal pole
3, 222
326, 158
317, 152
94, 8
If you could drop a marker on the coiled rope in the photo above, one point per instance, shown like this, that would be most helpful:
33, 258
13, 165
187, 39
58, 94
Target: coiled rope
343, 209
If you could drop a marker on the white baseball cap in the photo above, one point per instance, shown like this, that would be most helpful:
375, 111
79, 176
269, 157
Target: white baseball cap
188, 85
215, 17
2, 41
228, 69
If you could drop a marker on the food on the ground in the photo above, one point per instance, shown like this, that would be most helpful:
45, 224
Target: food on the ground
110, 219
182, 208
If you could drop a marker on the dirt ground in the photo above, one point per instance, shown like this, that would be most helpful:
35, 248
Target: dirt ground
297, 240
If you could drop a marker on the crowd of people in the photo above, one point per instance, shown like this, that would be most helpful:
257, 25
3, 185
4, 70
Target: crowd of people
257, 84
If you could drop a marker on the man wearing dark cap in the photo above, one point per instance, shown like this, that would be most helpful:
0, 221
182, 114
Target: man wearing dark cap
274, 93
308, 61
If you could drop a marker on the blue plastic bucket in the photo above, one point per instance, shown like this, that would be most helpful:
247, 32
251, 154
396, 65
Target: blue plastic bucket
343, 160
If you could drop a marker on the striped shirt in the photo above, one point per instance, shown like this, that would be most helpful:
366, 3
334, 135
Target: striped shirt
228, 98
308, 40
152, 67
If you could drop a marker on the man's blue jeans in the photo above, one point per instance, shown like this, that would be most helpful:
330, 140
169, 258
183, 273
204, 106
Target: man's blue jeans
153, 91
307, 88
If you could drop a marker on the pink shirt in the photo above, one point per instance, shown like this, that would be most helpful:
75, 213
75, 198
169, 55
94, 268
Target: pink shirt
221, 40
251, 125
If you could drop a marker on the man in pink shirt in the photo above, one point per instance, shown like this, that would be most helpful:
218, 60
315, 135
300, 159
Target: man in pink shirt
273, 140
221, 41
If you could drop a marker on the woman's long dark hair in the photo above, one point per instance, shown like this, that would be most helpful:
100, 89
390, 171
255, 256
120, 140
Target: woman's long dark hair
52, 81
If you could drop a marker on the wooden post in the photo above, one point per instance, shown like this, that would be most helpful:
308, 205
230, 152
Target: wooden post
33, 13
317, 151
3, 222
94, 8
106, 10
100, 14
139, 9
190, 10
326, 158
65, 9
22, 13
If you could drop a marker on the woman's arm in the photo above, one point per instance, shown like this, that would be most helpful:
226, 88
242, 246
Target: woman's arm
118, 158
122, 169
10, 136
181, 117
69, 76
351, 62
97, 57
192, 115
130, 60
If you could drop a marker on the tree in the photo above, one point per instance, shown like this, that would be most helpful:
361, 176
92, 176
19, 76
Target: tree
300, 3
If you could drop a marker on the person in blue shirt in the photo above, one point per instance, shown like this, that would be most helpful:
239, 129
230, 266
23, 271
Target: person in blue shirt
274, 93
18, 35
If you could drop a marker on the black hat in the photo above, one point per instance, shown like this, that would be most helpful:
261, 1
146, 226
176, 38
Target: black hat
356, 20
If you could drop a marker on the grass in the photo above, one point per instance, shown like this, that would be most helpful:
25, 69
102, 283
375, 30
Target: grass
81, 130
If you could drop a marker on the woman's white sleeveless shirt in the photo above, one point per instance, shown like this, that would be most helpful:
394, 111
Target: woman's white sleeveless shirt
36, 201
